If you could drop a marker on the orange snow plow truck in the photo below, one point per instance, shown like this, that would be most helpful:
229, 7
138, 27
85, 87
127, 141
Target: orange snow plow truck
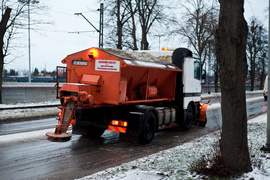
131, 92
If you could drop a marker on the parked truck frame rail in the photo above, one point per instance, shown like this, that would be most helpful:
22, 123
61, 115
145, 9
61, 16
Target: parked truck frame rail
130, 92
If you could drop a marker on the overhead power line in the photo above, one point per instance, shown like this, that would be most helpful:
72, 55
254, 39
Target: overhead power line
100, 30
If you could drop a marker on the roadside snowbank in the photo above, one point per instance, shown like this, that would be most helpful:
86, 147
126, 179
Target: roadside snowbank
173, 163
28, 113
18, 105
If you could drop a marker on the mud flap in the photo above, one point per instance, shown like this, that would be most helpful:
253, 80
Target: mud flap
131, 136
133, 131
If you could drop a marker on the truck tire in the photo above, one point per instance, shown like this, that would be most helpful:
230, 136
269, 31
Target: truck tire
148, 128
95, 132
188, 119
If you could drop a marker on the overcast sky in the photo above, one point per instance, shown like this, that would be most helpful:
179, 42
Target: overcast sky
54, 42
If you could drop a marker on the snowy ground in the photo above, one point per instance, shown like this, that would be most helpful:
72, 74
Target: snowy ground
174, 163
28, 113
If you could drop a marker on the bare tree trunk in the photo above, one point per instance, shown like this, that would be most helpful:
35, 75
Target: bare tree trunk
262, 75
119, 27
3, 28
135, 47
132, 11
232, 36
144, 44
252, 73
216, 80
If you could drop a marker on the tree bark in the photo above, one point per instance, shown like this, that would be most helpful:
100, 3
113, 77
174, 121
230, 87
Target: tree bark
134, 37
262, 75
144, 44
232, 36
216, 80
119, 27
3, 29
252, 72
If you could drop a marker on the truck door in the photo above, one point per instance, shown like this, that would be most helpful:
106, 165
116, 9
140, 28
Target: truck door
191, 80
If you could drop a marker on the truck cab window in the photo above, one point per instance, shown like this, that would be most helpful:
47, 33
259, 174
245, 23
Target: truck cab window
197, 70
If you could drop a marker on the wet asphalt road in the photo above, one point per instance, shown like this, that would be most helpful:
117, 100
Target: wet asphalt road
81, 156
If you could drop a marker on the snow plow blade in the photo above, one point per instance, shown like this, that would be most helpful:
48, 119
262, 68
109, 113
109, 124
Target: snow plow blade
203, 118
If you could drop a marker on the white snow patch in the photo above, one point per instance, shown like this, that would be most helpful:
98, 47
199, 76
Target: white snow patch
27, 113
254, 99
57, 102
7, 114
213, 106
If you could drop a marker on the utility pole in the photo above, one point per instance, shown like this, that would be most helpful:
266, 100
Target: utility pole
101, 25
29, 30
100, 31
29, 45
266, 147
159, 36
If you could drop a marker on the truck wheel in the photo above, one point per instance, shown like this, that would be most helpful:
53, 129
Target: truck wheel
188, 119
95, 132
148, 128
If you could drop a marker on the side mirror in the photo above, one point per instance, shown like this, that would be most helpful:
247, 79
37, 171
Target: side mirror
203, 76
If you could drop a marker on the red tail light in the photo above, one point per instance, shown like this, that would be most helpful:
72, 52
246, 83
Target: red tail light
119, 123
72, 121
59, 114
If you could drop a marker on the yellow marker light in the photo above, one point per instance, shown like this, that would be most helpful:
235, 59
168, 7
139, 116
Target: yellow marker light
124, 124
164, 49
93, 53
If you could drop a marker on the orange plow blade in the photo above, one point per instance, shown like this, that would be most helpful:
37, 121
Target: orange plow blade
203, 118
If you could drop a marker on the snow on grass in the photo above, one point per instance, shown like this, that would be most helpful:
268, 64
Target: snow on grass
174, 163
167, 164
56, 102
11, 114
27, 113
256, 139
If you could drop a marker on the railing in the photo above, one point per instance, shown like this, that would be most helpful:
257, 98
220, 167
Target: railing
61, 72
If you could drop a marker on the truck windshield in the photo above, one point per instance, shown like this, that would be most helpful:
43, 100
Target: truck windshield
197, 70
